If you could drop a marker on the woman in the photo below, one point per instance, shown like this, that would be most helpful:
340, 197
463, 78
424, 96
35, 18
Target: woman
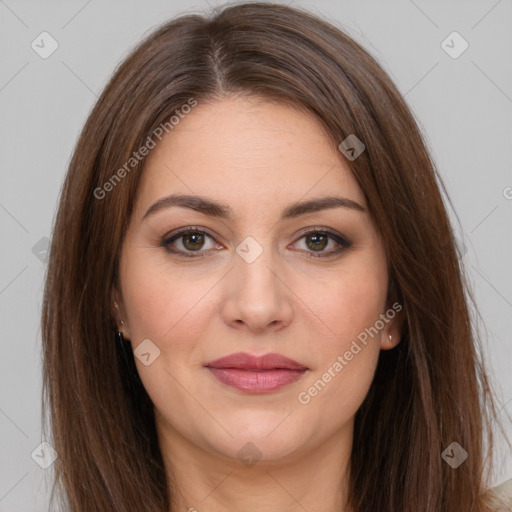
253, 297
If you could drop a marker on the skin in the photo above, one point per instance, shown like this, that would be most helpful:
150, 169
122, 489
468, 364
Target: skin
258, 157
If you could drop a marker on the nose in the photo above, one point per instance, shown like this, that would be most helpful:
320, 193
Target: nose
257, 297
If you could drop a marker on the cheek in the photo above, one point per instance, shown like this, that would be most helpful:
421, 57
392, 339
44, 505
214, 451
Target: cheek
356, 305
352, 300
352, 314
159, 302
172, 309
350, 306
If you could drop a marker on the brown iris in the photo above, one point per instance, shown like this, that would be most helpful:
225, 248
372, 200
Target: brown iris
319, 241
196, 241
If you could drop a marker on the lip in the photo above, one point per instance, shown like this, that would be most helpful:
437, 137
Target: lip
256, 374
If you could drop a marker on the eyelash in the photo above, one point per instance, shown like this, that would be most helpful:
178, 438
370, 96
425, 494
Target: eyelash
342, 242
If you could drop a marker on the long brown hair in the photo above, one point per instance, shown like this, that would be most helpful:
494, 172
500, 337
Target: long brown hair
430, 391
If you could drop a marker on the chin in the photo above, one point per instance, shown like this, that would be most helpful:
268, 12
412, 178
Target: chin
265, 437
259, 450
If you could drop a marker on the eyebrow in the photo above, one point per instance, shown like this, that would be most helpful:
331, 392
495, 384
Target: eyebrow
223, 211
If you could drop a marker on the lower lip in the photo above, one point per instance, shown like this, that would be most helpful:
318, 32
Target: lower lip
262, 381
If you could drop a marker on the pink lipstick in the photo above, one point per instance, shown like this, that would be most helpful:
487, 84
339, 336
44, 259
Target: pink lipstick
256, 374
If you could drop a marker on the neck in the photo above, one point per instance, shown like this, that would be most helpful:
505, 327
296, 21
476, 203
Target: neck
313, 480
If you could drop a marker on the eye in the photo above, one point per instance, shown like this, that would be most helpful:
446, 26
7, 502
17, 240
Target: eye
191, 239
316, 240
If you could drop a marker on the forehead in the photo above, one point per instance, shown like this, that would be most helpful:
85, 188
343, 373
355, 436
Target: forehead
246, 152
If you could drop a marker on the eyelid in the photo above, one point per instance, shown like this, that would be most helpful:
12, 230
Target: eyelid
342, 241
320, 229
176, 235
186, 229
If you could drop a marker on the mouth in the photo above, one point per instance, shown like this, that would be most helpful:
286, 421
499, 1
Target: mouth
256, 374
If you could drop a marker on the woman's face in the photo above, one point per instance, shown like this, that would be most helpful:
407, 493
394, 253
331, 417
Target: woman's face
260, 276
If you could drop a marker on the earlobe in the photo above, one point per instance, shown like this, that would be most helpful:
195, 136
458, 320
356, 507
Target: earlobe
389, 341
118, 314
391, 335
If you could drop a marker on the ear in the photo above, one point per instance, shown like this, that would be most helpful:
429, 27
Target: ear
118, 313
391, 334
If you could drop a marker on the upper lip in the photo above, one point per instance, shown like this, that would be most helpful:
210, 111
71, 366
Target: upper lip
244, 361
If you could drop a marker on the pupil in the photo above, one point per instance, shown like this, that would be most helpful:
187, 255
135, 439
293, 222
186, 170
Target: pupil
194, 244
315, 239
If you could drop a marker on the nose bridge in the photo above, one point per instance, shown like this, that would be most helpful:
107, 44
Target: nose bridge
257, 295
256, 263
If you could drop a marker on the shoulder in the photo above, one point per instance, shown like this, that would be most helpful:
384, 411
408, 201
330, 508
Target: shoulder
500, 497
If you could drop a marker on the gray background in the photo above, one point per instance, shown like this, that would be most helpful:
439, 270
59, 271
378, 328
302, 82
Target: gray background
463, 105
